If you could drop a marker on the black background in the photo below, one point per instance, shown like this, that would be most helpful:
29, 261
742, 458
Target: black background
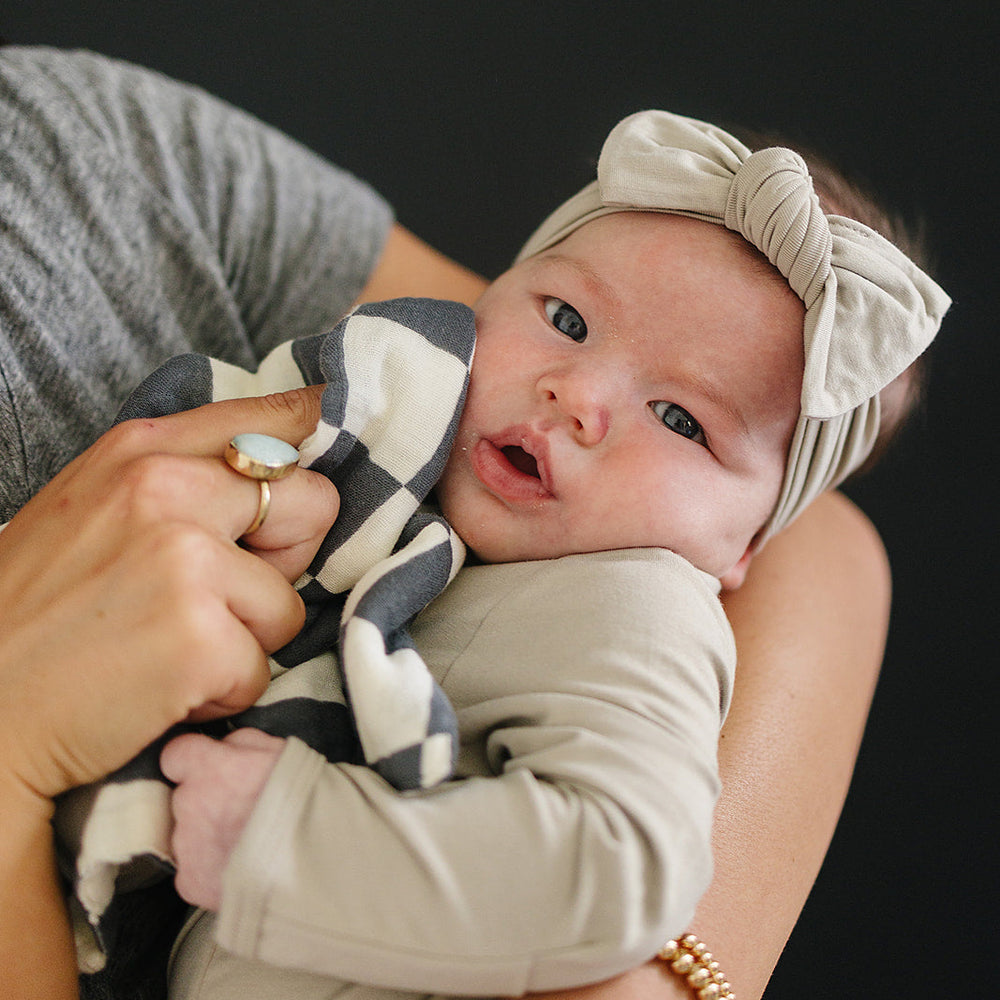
475, 119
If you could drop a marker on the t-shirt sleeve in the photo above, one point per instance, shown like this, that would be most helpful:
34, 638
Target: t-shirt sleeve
594, 691
294, 237
141, 218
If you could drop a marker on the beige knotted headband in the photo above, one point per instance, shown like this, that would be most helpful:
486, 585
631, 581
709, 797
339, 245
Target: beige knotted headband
870, 311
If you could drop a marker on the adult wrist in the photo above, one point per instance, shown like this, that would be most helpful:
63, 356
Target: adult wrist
690, 960
28, 782
36, 944
25, 810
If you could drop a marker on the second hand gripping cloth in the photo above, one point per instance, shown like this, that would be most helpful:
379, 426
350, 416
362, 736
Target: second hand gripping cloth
351, 684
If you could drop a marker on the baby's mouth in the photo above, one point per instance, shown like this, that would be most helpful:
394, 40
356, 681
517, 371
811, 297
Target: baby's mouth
521, 460
510, 472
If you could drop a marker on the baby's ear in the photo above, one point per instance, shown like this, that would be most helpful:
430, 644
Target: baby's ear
733, 578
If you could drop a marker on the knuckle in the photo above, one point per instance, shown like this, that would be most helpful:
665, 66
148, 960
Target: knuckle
195, 632
131, 438
320, 495
308, 504
185, 560
146, 486
300, 405
294, 618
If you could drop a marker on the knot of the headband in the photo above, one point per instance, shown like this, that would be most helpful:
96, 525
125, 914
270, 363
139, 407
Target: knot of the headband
772, 205
869, 310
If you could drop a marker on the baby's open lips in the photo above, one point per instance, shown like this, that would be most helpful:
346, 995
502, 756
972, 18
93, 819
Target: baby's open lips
513, 466
521, 460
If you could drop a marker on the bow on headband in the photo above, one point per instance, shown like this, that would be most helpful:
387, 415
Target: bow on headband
869, 310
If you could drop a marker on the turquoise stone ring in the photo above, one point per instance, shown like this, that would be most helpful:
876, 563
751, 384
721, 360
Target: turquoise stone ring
261, 456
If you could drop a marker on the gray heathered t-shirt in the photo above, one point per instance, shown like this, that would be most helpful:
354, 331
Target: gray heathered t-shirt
140, 219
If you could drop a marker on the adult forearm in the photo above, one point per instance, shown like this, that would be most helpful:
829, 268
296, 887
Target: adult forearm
409, 266
788, 749
36, 948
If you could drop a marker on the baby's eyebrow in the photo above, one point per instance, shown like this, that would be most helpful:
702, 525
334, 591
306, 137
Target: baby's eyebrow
597, 285
718, 399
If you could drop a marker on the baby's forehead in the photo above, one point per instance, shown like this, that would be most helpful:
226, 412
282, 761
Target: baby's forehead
638, 257
635, 234
718, 316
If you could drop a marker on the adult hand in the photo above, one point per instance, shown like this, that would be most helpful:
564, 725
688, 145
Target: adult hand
128, 604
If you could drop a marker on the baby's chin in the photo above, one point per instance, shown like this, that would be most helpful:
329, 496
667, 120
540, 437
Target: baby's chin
497, 553
485, 546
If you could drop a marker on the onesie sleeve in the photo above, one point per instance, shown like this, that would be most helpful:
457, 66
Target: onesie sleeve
590, 696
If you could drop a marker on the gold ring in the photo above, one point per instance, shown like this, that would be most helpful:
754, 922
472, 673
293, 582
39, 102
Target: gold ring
262, 458
262, 508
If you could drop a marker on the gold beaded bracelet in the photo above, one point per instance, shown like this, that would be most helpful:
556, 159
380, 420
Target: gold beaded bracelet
691, 959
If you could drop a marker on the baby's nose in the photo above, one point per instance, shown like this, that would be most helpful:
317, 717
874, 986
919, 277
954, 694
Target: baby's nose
582, 404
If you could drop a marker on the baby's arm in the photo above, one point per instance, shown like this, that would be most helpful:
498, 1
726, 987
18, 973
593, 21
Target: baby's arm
218, 784
570, 862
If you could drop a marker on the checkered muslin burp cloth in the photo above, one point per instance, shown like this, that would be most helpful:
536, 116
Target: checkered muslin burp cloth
351, 684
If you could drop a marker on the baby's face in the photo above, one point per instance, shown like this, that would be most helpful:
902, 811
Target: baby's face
635, 385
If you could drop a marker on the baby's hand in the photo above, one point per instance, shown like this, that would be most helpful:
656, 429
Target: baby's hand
218, 783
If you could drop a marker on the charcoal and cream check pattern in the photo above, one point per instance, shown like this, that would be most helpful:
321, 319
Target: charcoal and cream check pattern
351, 684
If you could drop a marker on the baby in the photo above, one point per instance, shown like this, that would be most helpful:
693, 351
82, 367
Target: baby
684, 355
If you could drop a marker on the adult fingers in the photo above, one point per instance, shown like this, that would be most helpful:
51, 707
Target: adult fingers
291, 416
205, 624
126, 480
260, 598
176, 488
172, 628
301, 511
301, 507
127, 605
206, 612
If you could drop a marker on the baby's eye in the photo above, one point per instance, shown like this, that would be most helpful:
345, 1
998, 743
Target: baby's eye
677, 419
566, 319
